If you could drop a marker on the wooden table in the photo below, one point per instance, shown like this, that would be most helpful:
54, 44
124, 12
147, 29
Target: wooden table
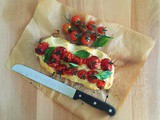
21, 101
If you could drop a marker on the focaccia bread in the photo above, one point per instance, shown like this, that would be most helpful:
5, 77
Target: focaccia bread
89, 67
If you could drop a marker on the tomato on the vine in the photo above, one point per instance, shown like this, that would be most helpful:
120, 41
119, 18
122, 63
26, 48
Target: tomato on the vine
41, 48
106, 64
91, 76
67, 28
76, 20
91, 25
82, 27
100, 84
82, 74
94, 36
93, 62
85, 39
101, 30
74, 35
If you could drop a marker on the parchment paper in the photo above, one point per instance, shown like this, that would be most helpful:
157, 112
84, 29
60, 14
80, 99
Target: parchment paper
129, 49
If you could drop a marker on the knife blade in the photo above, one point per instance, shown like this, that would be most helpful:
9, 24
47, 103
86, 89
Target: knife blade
63, 88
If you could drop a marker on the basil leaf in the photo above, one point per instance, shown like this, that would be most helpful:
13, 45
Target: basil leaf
48, 53
103, 75
82, 54
101, 41
73, 65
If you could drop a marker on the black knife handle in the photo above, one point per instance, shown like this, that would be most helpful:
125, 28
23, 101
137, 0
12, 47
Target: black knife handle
94, 102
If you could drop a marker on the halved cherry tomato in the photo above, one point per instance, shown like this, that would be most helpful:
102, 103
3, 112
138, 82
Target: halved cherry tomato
60, 69
76, 20
84, 60
57, 53
41, 48
91, 76
101, 30
77, 60
71, 71
85, 39
93, 62
67, 56
67, 28
106, 64
82, 27
82, 74
100, 84
91, 25
74, 35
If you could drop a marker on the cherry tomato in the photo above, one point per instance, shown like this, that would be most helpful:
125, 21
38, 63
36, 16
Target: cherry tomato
57, 53
41, 48
91, 76
60, 69
67, 56
71, 71
67, 28
91, 25
85, 39
77, 60
100, 84
82, 74
84, 60
73, 36
76, 20
93, 62
101, 30
82, 27
106, 64
94, 36
53, 63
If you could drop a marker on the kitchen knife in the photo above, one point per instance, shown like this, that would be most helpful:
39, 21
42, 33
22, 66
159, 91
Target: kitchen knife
63, 88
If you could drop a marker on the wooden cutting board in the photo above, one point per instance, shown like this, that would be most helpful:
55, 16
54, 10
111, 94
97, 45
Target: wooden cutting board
21, 101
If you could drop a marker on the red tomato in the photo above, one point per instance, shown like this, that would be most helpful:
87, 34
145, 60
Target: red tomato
100, 84
77, 60
82, 74
60, 69
76, 20
106, 64
84, 60
71, 71
94, 36
57, 53
93, 62
101, 30
41, 48
85, 39
53, 63
91, 76
91, 25
82, 27
67, 28
73, 36
67, 56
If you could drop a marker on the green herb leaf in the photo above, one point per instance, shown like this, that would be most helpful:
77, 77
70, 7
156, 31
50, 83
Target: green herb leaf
101, 41
103, 75
73, 65
48, 53
82, 54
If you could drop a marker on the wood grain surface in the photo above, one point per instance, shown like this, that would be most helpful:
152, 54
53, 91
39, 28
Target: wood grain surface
21, 101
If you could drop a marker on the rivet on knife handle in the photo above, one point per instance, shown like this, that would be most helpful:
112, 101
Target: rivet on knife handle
94, 102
